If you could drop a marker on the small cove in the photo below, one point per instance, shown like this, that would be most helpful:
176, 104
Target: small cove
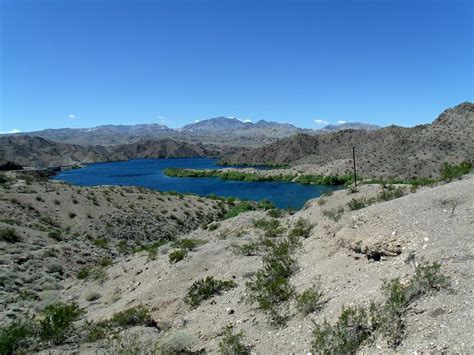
148, 173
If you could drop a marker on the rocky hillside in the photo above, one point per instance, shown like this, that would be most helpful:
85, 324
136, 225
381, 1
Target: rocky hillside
351, 125
40, 153
384, 269
388, 152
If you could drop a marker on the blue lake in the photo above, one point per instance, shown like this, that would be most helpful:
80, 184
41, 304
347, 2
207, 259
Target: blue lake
149, 173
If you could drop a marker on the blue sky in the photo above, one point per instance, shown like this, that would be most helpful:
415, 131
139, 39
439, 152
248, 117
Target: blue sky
85, 63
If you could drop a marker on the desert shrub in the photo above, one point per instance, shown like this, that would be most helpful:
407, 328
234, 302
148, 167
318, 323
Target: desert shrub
177, 255
358, 326
9, 235
352, 329
92, 296
266, 205
266, 224
248, 249
390, 194
133, 344
335, 214
213, 226
275, 213
180, 342
187, 243
57, 322
206, 288
132, 317
270, 287
151, 248
16, 337
100, 242
72, 215
311, 300
56, 235
92, 273
231, 343
55, 268
240, 208
302, 228
450, 172
357, 204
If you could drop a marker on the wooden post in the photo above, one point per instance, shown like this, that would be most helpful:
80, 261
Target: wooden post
354, 160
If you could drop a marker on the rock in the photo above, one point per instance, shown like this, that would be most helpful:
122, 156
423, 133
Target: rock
230, 311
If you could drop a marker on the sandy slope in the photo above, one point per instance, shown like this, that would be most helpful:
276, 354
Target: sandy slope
433, 224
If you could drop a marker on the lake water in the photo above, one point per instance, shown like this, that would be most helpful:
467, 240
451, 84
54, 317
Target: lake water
149, 173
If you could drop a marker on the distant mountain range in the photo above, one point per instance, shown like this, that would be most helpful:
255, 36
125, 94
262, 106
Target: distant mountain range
229, 131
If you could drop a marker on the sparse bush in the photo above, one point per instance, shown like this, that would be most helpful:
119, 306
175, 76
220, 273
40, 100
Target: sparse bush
266, 205
213, 226
334, 214
92, 296
57, 322
249, 249
56, 235
275, 213
302, 228
450, 172
187, 243
270, 287
16, 337
177, 255
133, 317
352, 330
206, 288
72, 215
180, 342
357, 204
311, 300
232, 344
266, 224
9, 235
240, 208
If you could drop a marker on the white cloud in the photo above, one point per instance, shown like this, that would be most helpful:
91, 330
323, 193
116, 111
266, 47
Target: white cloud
245, 121
242, 120
72, 116
341, 122
321, 122
196, 121
12, 131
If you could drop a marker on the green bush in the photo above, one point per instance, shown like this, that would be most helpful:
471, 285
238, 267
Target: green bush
302, 228
206, 288
357, 204
270, 287
56, 235
450, 172
266, 224
352, 330
311, 300
180, 342
57, 322
232, 344
213, 226
16, 337
187, 243
9, 235
249, 249
177, 255
275, 213
266, 205
334, 214
240, 208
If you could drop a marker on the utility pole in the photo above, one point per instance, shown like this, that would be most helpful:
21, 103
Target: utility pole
354, 160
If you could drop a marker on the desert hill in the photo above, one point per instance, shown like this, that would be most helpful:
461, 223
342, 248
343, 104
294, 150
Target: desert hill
387, 152
344, 253
41, 153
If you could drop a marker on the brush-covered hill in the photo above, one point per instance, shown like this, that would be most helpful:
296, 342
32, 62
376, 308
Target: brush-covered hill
387, 152
38, 152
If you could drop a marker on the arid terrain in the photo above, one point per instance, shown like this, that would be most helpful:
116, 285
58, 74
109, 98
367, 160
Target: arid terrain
113, 249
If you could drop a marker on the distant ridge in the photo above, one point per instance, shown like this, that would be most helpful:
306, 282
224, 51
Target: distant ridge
351, 125
386, 152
